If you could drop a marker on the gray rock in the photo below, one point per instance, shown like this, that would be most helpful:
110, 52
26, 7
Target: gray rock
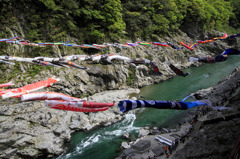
126, 135
125, 145
142, 145
127, 152
8, 153
158, 150
28, 152
155, 131
143, 132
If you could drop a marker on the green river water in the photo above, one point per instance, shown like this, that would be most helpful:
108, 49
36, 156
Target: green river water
104, 142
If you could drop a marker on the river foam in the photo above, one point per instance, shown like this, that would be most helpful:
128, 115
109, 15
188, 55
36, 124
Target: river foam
120, 128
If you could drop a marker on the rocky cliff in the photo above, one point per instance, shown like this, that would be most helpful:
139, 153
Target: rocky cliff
31, 130
220, 130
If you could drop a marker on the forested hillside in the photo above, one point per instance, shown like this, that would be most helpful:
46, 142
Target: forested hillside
98, 21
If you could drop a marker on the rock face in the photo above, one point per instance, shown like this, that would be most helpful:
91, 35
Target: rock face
223, 93
99, 77
215, 141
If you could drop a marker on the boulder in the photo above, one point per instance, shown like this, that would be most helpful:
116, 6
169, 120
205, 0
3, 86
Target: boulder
125, 145
142, 145
126, 135
128, 152
158, 150
143, 132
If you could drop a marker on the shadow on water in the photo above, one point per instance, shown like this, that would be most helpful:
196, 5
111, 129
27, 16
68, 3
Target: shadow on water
105, 142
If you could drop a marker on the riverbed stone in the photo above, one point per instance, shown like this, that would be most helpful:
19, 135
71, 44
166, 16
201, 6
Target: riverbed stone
128, 152
158, 150
142, 145
143, 132
126, 135
125, 145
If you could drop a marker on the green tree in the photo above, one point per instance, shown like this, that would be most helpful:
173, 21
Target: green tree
112, 12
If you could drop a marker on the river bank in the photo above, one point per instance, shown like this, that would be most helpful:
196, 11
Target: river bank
212, 133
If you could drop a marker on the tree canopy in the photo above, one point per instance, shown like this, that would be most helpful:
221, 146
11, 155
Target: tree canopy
91, 21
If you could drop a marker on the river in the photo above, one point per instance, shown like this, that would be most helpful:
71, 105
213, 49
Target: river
104, 142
